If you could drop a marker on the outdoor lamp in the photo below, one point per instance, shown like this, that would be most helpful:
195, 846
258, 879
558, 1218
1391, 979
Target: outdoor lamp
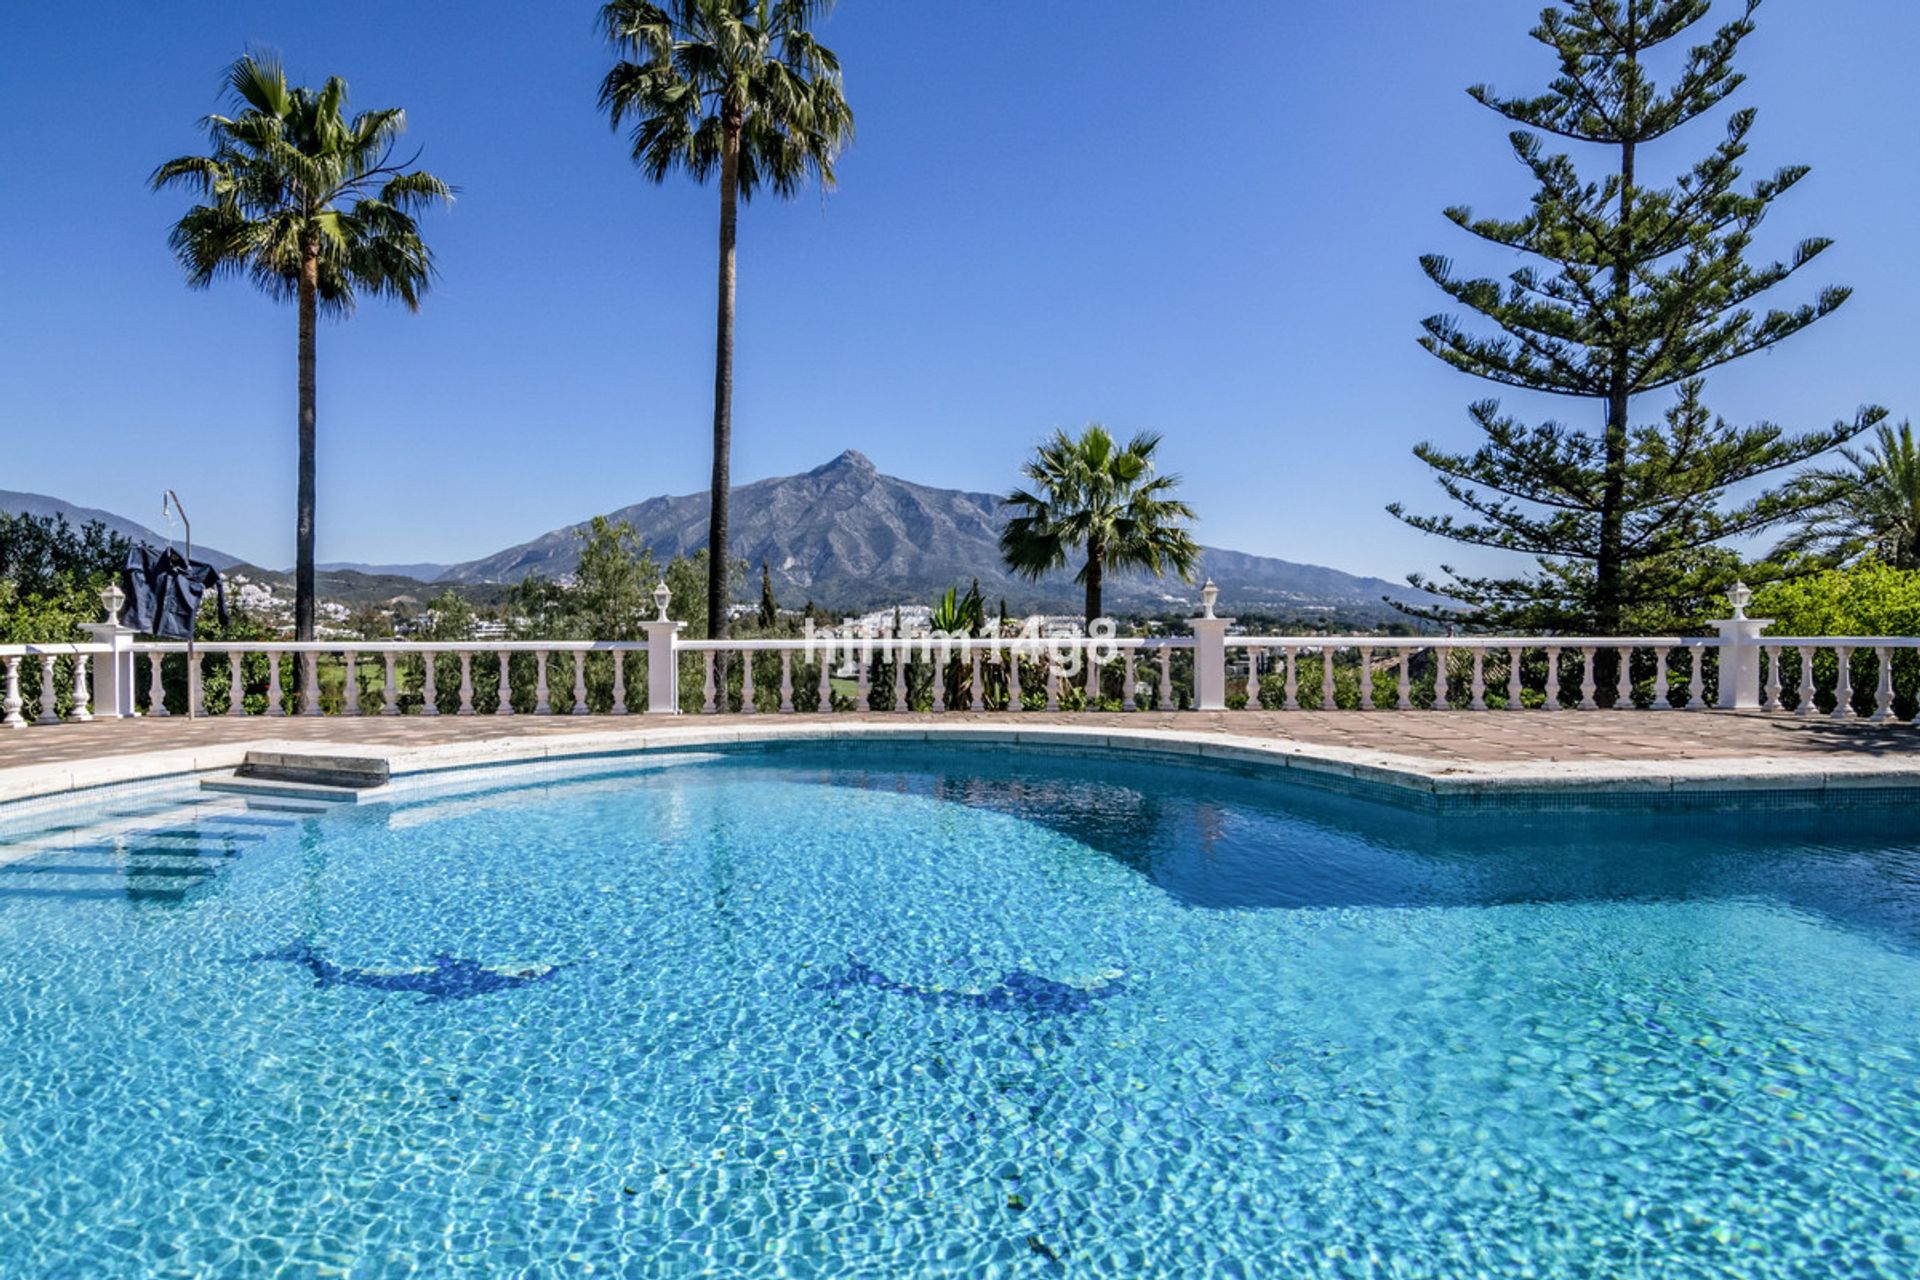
662, 594
1208, 594
111, 599
1738, 596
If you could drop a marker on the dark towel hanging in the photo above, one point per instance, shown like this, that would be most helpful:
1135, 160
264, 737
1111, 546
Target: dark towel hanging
164, 590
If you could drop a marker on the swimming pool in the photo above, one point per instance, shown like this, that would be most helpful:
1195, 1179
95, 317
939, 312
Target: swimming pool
899, 1012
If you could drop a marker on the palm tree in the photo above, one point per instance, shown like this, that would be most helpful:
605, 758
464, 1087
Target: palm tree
1870, 506
739, 88
312, 207
1090, 494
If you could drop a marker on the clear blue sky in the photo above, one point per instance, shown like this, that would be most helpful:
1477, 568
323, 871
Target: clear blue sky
1200, 218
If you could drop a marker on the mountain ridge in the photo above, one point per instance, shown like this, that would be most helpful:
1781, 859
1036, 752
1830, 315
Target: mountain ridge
848, 537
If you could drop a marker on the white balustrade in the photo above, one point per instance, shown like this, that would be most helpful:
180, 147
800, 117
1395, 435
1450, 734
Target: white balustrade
1883, 691
49, 697
236, 684
1440, 692
80, 712
786, 680
747, 706
543, 706
1843, 685
1514, 687
350, 688
10, 704
429, 689
506, 685
1478, 686
276, 696
619, 707
156, 690
466, 685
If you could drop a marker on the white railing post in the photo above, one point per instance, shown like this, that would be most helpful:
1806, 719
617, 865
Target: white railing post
1515, 686
1552, 702
80, 712
113, 696
1806, 705
1771, 700
1210, 654
1623, 682
156, 688
196, 685
1366, 679
1053, 684
236, 684
1328, 700
1440, 655
1740, 652
350, 691
1660, 682
49, 696
976, 688
505, 705
542, 704
825, 688
1292, 702
663, 660
11, 703
1093, 677
466, 686
1016, 697
579, 682
619, 707
1164, 700
1843, 687
900, 659
1586, 680
276, 695
309, 661
1883, 692
786, 681
1697, 682
1478, 688
706, 700
429, 688
747, 706
390, 686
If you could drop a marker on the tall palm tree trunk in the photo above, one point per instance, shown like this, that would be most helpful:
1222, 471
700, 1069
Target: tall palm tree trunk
1096, 567
717, 559
303, 587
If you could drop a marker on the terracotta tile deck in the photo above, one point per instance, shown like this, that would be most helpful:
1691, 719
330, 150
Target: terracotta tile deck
1442, 738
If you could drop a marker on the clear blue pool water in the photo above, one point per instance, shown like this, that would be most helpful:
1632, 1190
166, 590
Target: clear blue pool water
915, 1013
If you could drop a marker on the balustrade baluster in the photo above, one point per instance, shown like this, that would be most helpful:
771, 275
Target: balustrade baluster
1253, 678
466, 686
1806, 705
1843, 688
1366, 679
1292, 657
786, 681
1515, 686
81, 711
276, 695
1772, 698
1661, 687
505, 708
747, 700
429, 686
1165, 701
1552, 702
1015, 697
1328, 700
196, 685
309, 664
619, 707
826, 680
1440, 656
49, 696
1697, 683
1093, 678
580, 707
1131, 701
156, 688
706, 700
1478, 687
863, 688
976, 688
1586, 681
902, 655
1403, 686
1053, 683
1883, 690
10, 704
1623, 683
350, 688
390, 683
543, 703
236, 683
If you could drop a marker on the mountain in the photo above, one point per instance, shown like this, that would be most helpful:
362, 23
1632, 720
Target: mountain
849, 538
424, 571
39, 504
